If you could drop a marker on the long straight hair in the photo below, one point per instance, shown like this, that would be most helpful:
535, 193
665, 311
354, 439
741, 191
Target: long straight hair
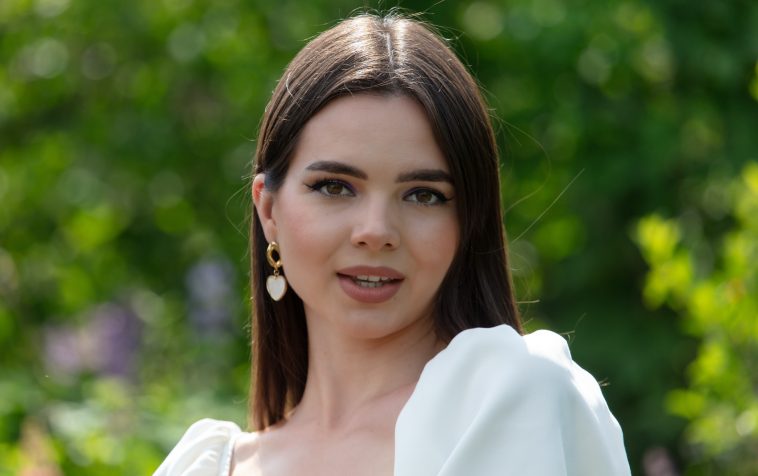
390, 55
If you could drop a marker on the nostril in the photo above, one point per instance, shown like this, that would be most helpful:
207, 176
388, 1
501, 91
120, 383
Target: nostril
375, 230
383, 243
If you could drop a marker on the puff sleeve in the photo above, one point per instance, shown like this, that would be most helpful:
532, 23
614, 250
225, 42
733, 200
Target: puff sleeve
498, 403
204, 450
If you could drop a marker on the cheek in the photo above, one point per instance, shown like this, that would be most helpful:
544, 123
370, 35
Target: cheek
306, 238
435, 243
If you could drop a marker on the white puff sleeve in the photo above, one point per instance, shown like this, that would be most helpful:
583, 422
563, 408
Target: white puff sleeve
497, 403
204, 450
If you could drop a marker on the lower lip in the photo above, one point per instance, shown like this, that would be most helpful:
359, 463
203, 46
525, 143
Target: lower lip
368, 295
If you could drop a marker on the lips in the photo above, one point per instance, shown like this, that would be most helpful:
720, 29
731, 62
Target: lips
370, 284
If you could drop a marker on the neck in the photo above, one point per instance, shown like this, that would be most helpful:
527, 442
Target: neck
347, 374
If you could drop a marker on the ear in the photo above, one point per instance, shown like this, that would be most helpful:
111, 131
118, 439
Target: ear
264, 204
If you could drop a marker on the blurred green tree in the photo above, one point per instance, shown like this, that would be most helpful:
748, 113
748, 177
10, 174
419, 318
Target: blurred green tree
125, 142
716, 294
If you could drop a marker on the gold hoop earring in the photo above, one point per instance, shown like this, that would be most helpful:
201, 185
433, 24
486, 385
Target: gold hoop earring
276, 284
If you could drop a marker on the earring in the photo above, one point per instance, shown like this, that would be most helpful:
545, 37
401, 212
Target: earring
276, 284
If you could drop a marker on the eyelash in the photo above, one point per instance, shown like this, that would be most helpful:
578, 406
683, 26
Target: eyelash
318, 185
441, 198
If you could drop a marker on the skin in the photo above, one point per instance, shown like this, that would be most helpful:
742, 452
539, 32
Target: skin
365, 358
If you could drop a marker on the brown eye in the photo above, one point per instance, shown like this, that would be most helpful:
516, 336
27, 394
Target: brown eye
425, 196
334, 188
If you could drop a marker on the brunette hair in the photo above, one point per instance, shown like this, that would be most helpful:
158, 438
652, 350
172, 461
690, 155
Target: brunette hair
382, 55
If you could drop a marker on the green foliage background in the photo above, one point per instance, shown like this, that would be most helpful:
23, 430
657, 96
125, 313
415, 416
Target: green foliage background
126, 131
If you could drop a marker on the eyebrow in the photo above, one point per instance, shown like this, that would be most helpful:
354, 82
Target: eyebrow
425, 175
421, 175
337, 168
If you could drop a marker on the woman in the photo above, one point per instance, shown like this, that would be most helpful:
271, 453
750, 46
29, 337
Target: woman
386, 337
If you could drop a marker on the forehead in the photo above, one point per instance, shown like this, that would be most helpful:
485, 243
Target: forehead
371, 129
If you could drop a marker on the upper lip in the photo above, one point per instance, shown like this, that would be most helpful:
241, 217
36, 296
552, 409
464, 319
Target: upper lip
381, 271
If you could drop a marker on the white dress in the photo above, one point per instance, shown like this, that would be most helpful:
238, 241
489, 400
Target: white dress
492, 403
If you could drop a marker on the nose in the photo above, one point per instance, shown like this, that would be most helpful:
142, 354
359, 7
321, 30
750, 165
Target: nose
376, 227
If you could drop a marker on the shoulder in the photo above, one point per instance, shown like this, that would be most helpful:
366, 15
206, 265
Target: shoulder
204, 450
497, 399
531, 376
502, 360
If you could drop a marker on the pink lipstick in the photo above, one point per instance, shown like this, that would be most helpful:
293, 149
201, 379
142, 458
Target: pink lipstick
370, 284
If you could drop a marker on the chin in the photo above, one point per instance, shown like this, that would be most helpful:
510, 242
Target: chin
370, 327
376, 325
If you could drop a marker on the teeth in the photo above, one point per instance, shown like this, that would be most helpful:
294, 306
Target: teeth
373, 279
369, 284
370, 281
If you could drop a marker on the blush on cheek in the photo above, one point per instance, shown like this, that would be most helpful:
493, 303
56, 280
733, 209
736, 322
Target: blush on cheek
308, 240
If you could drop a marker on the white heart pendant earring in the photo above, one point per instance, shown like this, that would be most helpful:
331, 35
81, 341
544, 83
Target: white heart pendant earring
276, 284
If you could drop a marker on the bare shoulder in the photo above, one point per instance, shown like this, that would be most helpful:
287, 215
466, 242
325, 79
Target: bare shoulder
246, 455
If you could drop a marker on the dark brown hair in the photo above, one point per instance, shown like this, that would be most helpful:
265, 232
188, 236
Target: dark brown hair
382, 55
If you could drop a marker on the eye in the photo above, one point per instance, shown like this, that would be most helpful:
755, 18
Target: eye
332, 188
426, 196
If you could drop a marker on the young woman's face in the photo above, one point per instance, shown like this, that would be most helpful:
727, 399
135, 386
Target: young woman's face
365, 219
